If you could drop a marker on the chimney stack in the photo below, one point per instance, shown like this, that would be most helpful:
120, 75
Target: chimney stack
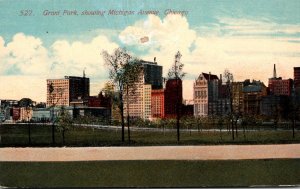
274, 72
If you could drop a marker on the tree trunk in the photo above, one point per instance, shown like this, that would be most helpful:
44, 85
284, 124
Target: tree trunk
232, 128
63, 136
122, 116
29, 134
236, 128
53, 131
128, 118
177, 111
53, 127
294, 125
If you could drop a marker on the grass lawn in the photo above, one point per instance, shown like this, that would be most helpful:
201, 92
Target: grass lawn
151, 173
17, 135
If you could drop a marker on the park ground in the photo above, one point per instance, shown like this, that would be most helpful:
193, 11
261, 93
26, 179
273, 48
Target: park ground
281, 169
77, 136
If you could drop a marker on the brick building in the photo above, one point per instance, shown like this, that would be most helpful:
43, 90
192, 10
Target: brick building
158, 103
69, 91
173, 97
278, 86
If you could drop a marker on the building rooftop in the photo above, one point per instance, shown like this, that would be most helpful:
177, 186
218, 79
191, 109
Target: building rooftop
252, 88
212, 77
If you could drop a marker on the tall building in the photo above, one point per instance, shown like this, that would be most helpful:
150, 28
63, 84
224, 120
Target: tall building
152, 74
158, 103
237, 97
206, 95
278, 86
139, 101
297, 79
173, 97
68, 91
253, 93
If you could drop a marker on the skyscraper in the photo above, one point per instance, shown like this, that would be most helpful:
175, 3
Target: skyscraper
206, 94
152, 74
139, 102
297, 79
64, 92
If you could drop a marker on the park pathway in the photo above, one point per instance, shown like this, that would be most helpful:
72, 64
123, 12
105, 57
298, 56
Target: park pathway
220, 152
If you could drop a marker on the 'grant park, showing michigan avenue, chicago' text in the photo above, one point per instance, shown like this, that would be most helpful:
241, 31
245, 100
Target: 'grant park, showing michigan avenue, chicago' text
101, 94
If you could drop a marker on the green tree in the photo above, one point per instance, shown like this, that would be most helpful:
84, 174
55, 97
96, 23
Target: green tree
64, 122
124, 71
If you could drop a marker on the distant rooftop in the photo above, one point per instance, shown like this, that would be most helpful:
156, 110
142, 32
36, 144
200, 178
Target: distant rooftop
208, 76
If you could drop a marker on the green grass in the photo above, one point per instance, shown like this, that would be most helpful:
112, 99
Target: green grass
17, 135
151, 173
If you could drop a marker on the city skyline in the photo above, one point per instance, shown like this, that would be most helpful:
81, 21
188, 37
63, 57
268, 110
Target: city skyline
248, 39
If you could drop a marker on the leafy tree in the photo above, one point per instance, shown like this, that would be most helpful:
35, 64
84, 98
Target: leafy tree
176, 72
124, 71
64, 122
25, 102
41, 105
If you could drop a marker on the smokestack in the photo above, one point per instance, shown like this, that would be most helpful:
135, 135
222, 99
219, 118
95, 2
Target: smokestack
221, 78
209, 76
84, 72
274, 72
154, 59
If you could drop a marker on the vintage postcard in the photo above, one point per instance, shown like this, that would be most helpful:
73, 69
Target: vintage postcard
148, 93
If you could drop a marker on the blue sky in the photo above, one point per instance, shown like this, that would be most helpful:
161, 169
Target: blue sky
247, 37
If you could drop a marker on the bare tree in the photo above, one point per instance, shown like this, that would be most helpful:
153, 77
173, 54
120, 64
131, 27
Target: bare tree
295, 106
133, 72
228, 76
54, 99
123, 71
176, 72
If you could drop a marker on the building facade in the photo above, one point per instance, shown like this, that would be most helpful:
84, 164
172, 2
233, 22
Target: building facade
173, 97
152, 74
297, 79
158, 103
206, 95
278, 86
237, 97
137, 100
68, 91
253, 93
275, 106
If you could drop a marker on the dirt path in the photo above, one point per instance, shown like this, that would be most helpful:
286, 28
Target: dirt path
152, 153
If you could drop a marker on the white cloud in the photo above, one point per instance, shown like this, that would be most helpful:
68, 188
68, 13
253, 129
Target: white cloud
26, 64
248, 48
25, 55
72, 57
261, 26
221, 46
